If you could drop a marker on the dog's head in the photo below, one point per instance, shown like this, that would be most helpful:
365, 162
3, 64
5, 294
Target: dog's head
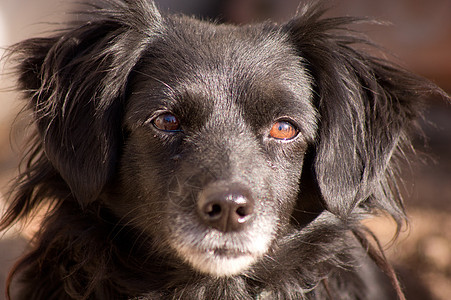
218, 119
216, 140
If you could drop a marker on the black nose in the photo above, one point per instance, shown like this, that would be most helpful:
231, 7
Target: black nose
226, 208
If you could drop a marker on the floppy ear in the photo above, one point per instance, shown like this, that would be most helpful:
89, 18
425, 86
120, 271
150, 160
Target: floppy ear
367, 107
76, 82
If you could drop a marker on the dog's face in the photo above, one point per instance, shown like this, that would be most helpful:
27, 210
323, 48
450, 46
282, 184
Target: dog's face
218, 122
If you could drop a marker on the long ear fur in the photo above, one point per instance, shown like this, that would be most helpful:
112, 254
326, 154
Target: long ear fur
367, 107
75, 83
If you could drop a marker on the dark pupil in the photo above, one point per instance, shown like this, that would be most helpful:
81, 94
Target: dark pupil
284, 126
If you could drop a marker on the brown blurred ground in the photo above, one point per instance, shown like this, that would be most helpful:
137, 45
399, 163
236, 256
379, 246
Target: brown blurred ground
420, 36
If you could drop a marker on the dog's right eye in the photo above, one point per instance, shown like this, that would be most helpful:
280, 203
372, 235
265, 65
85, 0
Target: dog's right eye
167, 122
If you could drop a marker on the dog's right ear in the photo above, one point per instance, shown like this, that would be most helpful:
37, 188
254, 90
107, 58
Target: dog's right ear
368, 108
76, 82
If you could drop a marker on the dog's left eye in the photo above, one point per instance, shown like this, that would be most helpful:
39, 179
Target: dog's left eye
283, 130
167, 122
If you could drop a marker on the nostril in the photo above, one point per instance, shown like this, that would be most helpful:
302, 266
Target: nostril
244, 207
241, 211
213, 210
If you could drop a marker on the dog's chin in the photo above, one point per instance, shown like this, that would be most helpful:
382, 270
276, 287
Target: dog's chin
220, 262
221, 254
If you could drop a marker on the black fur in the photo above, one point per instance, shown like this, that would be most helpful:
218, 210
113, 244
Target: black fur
123, 194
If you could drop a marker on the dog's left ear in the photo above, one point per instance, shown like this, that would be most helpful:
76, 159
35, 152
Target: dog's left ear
367, 108
76, 82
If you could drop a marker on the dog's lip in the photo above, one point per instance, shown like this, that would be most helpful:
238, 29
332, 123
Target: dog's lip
225, 252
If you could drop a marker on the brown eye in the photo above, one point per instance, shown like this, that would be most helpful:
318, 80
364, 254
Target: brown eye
167, 122
283, 130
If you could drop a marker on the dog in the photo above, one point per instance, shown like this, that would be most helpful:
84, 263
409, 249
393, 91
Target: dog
186, 159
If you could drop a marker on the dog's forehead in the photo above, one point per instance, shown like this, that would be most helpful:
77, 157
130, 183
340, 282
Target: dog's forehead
261, 50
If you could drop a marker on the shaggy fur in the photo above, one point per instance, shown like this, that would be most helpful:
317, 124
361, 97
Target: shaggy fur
141, 118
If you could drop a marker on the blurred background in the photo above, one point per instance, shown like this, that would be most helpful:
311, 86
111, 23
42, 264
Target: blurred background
419, 35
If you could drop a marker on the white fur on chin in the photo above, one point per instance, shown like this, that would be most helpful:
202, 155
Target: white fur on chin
215, 264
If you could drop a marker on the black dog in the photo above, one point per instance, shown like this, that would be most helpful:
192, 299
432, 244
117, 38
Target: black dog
183, 159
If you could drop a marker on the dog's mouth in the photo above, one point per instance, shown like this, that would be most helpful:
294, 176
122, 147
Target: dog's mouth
219, 262
225, 252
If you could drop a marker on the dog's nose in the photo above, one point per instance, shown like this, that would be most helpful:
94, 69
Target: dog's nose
226, 209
